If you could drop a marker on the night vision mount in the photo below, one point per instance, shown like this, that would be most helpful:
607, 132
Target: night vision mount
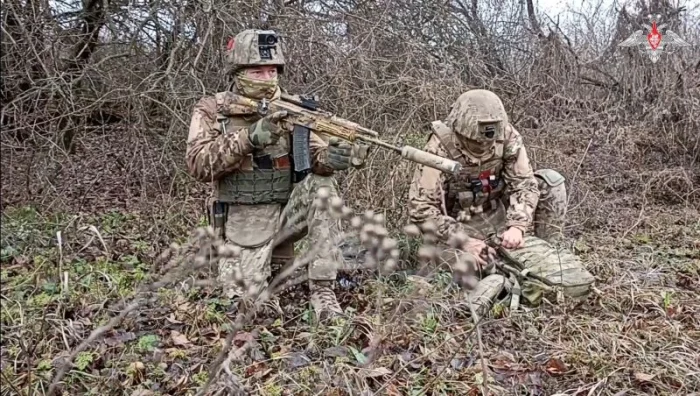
267, 41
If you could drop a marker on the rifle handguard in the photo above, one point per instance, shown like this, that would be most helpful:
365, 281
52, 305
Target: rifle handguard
432, 160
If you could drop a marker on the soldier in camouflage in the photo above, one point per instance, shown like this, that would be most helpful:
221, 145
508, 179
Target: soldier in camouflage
247, 159
496, 194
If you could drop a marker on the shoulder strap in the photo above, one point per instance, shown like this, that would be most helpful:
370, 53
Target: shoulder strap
447, 138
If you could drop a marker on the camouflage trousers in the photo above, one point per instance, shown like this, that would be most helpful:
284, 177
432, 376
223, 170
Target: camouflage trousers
299, 218
538, 256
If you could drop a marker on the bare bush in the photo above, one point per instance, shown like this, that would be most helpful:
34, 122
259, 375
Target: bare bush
125, 75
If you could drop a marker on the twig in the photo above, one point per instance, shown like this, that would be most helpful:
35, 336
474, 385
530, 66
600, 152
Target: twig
477, 326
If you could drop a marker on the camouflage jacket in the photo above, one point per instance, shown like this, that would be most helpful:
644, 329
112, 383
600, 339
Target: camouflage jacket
509, 163
211, 153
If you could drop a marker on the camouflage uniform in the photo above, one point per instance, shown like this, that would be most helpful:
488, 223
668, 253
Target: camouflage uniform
495, 190
254, 183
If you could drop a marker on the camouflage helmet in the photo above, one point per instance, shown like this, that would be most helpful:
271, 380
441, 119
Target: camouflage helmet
253, 47
478, 115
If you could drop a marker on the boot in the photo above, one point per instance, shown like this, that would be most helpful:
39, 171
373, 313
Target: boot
323, 299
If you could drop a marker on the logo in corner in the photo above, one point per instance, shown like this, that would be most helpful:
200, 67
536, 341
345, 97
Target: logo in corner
654, 43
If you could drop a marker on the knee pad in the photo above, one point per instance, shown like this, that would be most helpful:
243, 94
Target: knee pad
550, 176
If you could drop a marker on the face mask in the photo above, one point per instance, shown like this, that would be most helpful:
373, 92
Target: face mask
256, 89
476, 148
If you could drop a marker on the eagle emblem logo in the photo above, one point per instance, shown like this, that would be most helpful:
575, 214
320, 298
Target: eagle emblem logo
654, 42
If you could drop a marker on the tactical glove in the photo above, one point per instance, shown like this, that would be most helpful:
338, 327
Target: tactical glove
359, 155
267, 130
339, 154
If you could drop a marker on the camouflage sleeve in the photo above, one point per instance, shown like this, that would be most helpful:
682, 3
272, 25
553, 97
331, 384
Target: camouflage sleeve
319, 156
426, 195
520, 180
210, 152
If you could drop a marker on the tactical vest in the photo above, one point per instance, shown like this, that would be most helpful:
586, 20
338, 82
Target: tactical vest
479, 185
264, 176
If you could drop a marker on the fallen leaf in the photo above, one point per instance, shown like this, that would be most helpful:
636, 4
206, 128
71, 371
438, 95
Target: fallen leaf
391, 390
179, 338
175, 389
241, 338
137, 366
297, 360
376, 372
479, 378
171, 319
254, 368
644, 377
555, 367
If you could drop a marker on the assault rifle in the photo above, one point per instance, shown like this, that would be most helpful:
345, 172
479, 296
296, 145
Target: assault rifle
305, 116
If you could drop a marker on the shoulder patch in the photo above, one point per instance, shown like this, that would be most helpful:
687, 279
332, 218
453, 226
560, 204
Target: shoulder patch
227, 105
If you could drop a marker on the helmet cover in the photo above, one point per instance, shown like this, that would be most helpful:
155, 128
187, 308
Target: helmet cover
253, 47
478, 115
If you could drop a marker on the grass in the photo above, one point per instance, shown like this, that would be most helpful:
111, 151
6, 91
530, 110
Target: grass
406, 334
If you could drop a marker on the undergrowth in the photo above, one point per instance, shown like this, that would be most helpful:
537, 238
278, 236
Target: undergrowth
636, 332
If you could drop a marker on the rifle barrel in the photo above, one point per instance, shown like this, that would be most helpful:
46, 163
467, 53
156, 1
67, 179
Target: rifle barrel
422, 157
378, 143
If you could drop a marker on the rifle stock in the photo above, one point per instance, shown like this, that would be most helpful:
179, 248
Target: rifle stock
306, 114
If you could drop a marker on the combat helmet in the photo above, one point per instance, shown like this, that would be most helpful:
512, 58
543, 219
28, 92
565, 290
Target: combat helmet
479, 117
254, 47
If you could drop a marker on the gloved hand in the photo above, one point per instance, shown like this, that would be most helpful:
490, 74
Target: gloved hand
339, 154
359, 155
266, 131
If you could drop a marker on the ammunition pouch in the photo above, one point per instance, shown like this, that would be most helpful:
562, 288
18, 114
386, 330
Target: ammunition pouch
217, 212
477, 198
252, 225
270, 182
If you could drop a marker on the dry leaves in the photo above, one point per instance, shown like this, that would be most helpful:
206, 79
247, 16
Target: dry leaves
178, 338
555, 367
375, 372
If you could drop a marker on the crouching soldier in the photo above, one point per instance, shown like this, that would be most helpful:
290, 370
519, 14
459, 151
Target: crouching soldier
496, 196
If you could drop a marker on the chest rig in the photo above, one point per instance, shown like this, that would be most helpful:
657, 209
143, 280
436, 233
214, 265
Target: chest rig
478, 188
264, 176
